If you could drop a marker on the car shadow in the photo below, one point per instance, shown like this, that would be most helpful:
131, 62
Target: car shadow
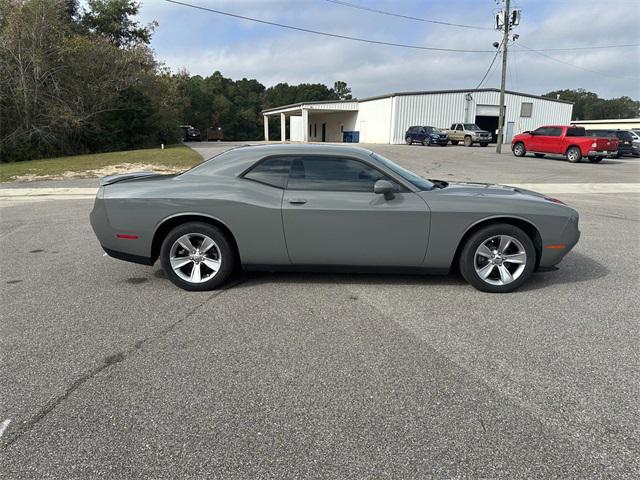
574, 269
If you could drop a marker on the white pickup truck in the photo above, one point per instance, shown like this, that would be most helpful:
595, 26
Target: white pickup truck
468, 133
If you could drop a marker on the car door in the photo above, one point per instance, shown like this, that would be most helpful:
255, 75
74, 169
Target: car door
535, 141
553, 141
331, 216
421, 134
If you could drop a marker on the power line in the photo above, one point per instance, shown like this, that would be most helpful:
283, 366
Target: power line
520, 44
490, 67
408, 17
327, 34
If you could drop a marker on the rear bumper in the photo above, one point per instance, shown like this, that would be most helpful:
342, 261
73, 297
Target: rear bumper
127, 257
601, 153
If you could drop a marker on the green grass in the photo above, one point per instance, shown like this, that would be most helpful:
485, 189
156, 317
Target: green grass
177, 156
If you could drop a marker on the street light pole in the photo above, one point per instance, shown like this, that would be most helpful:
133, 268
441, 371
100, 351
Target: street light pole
506, 20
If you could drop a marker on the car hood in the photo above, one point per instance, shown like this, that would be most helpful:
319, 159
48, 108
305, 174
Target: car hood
488, 189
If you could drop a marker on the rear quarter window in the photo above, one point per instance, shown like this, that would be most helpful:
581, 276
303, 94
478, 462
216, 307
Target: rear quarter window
271, 171
575, 132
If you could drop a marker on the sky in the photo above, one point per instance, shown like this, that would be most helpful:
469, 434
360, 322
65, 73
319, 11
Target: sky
202, 42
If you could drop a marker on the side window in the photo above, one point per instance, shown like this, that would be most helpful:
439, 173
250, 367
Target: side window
526, 108
333, 174
459, 126
554, 131
272, 171
422, 132
541, 131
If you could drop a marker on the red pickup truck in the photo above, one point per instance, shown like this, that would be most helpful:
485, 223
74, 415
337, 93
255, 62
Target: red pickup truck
571, 142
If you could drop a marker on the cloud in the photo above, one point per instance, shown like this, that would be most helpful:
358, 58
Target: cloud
203, 42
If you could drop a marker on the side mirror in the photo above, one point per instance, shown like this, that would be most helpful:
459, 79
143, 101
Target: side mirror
385, 188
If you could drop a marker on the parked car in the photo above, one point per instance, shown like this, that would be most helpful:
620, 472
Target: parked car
571, 142
215, 134
626, 144
190, 134
319, 207
426, 136
468, 133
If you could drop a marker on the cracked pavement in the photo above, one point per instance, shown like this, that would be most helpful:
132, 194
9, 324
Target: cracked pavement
108, 371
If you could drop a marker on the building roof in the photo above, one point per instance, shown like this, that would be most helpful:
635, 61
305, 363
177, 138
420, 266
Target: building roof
422, 92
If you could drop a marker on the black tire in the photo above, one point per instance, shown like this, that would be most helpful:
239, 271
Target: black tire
484, 144
595, 159
574, 155
454, 142
519, 150
539, 155
468, 141
467, 257
225, 253
408, 140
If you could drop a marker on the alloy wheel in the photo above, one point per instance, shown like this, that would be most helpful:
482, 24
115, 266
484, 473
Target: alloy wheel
195, 258
500, 260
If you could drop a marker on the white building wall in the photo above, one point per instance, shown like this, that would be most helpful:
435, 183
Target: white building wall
443, 109
374, 120
336, 123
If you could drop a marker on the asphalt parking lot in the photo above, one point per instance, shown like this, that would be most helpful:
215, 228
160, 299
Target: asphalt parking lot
109, 371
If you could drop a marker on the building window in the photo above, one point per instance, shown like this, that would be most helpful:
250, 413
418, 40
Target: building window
315, 129
525, 109
310, 129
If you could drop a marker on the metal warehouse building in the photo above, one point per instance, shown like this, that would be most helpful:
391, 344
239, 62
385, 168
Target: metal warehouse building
385, 118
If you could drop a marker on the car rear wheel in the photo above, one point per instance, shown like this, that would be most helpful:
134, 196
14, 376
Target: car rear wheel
408, 140
454, 142
197, 256
519, 150
574, 155
498, 258
467, 141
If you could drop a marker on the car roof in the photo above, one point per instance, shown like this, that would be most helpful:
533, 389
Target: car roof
303, 148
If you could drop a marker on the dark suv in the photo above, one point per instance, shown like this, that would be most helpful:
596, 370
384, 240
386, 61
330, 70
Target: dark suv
626, 146
426, 136
189, 133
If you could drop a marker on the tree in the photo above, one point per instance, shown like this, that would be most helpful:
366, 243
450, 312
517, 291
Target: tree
589, 106
112, 20
342, 91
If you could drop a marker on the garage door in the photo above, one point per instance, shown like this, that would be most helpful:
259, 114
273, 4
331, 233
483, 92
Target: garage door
488, 110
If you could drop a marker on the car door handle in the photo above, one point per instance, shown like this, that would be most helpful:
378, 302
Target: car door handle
297, 201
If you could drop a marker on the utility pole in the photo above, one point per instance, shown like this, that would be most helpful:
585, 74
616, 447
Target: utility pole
506, 23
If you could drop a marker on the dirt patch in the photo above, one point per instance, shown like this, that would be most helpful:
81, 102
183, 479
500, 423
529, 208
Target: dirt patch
101, 172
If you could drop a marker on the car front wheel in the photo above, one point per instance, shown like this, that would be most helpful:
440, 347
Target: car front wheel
408, 140
498, 258
467, 141
197, 256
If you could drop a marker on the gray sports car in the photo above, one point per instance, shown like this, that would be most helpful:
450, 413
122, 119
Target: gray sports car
319, 207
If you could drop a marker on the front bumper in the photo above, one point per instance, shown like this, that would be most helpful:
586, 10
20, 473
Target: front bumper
553, 253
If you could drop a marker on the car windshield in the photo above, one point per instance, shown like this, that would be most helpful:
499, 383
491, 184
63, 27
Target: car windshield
432, 130
408, 175
471, 126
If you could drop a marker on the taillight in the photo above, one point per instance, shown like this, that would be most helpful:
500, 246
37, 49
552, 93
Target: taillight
594, 144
